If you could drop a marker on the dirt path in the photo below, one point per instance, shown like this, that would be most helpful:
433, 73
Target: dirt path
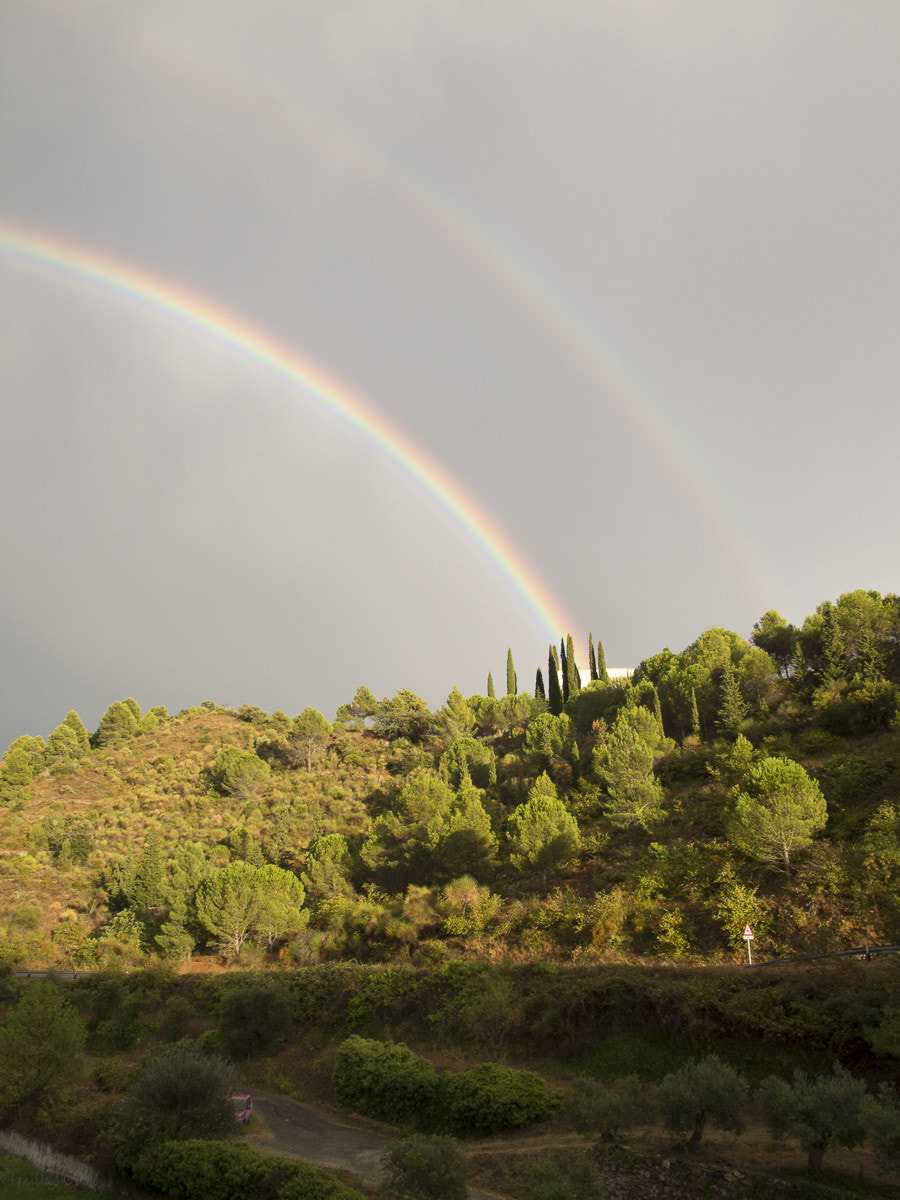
290, 1128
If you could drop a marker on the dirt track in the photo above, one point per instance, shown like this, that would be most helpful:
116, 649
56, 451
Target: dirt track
290, 1128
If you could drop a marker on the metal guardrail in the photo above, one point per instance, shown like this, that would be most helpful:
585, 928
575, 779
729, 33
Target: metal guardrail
55, 974
863, 952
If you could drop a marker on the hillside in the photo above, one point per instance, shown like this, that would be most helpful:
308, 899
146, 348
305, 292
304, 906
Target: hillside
624, 819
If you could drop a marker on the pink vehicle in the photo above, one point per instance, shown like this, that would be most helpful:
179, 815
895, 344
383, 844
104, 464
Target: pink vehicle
243, 1108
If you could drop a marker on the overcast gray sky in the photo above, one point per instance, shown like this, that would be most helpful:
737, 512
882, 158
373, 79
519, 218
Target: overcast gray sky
626, 270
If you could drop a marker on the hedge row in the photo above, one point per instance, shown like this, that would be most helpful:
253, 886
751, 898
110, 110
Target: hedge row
200, 1170
386, 1081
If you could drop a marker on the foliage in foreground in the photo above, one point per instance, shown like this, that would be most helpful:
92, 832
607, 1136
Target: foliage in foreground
426, 1168
210, 1170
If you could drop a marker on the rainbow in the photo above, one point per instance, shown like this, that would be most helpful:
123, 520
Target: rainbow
170, 300
508, 272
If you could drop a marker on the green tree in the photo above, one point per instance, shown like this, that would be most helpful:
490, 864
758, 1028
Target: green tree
818, 1111
311, 734
456, 719
624, 765
490, 686
701, 1091
82, 737
179, 1093
229, 904
22, 761
149, 875
328, 868
604, 1112
539, 692
592, 658
511, 686
117, 723
733, 708
779, 640
40, 1045
244, 776
776, 811
363, 704
281, 911
403, 715
551, 745
542, 834
554, 693
62, 751
602, 673
573, 675
426, 1168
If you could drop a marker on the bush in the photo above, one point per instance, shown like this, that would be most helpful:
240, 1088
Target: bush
426, 1168
179, 1094
605, 1112
253, 1020
386, 1081
569, 1177
201, 1170
490, 1098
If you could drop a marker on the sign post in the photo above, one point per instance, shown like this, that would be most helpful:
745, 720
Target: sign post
748, 938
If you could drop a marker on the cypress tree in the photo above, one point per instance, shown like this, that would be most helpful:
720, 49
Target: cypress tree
573, 675
657, 708
490, 690
511, 688
564, 673
695, 714
602, 672
539, 693
592, 657
554, 695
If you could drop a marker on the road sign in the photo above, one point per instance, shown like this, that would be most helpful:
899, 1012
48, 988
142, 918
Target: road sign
748, 933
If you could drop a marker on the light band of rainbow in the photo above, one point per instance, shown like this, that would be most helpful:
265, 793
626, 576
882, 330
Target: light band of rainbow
237, 334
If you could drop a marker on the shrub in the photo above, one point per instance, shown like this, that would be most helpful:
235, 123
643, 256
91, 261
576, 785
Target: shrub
426, 1168
200, 1170
386, 1081
179, 1094
605, 1112
253, 1020
567, 1177
490, 1098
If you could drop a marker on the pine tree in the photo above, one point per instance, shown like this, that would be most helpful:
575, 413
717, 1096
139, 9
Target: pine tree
490, 686
657, 709
733, 708
511, 689
592, 657
602, 673
539, 693
573, 676
554, 695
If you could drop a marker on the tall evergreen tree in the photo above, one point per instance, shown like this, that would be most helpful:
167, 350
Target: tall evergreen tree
573, 676
592, 657
564, 672
490, 686
511, 689
554, 695
539, 693
602, 673
695, 714
733, 708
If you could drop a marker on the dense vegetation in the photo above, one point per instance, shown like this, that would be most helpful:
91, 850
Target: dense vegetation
529, 877
732, 782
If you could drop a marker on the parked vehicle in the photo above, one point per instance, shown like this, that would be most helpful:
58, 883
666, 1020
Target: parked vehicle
243, 1108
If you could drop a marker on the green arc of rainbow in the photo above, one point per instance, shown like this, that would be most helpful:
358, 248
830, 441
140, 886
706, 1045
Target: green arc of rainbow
173, 301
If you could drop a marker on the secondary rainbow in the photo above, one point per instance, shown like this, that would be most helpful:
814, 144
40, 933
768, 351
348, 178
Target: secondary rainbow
175, 302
